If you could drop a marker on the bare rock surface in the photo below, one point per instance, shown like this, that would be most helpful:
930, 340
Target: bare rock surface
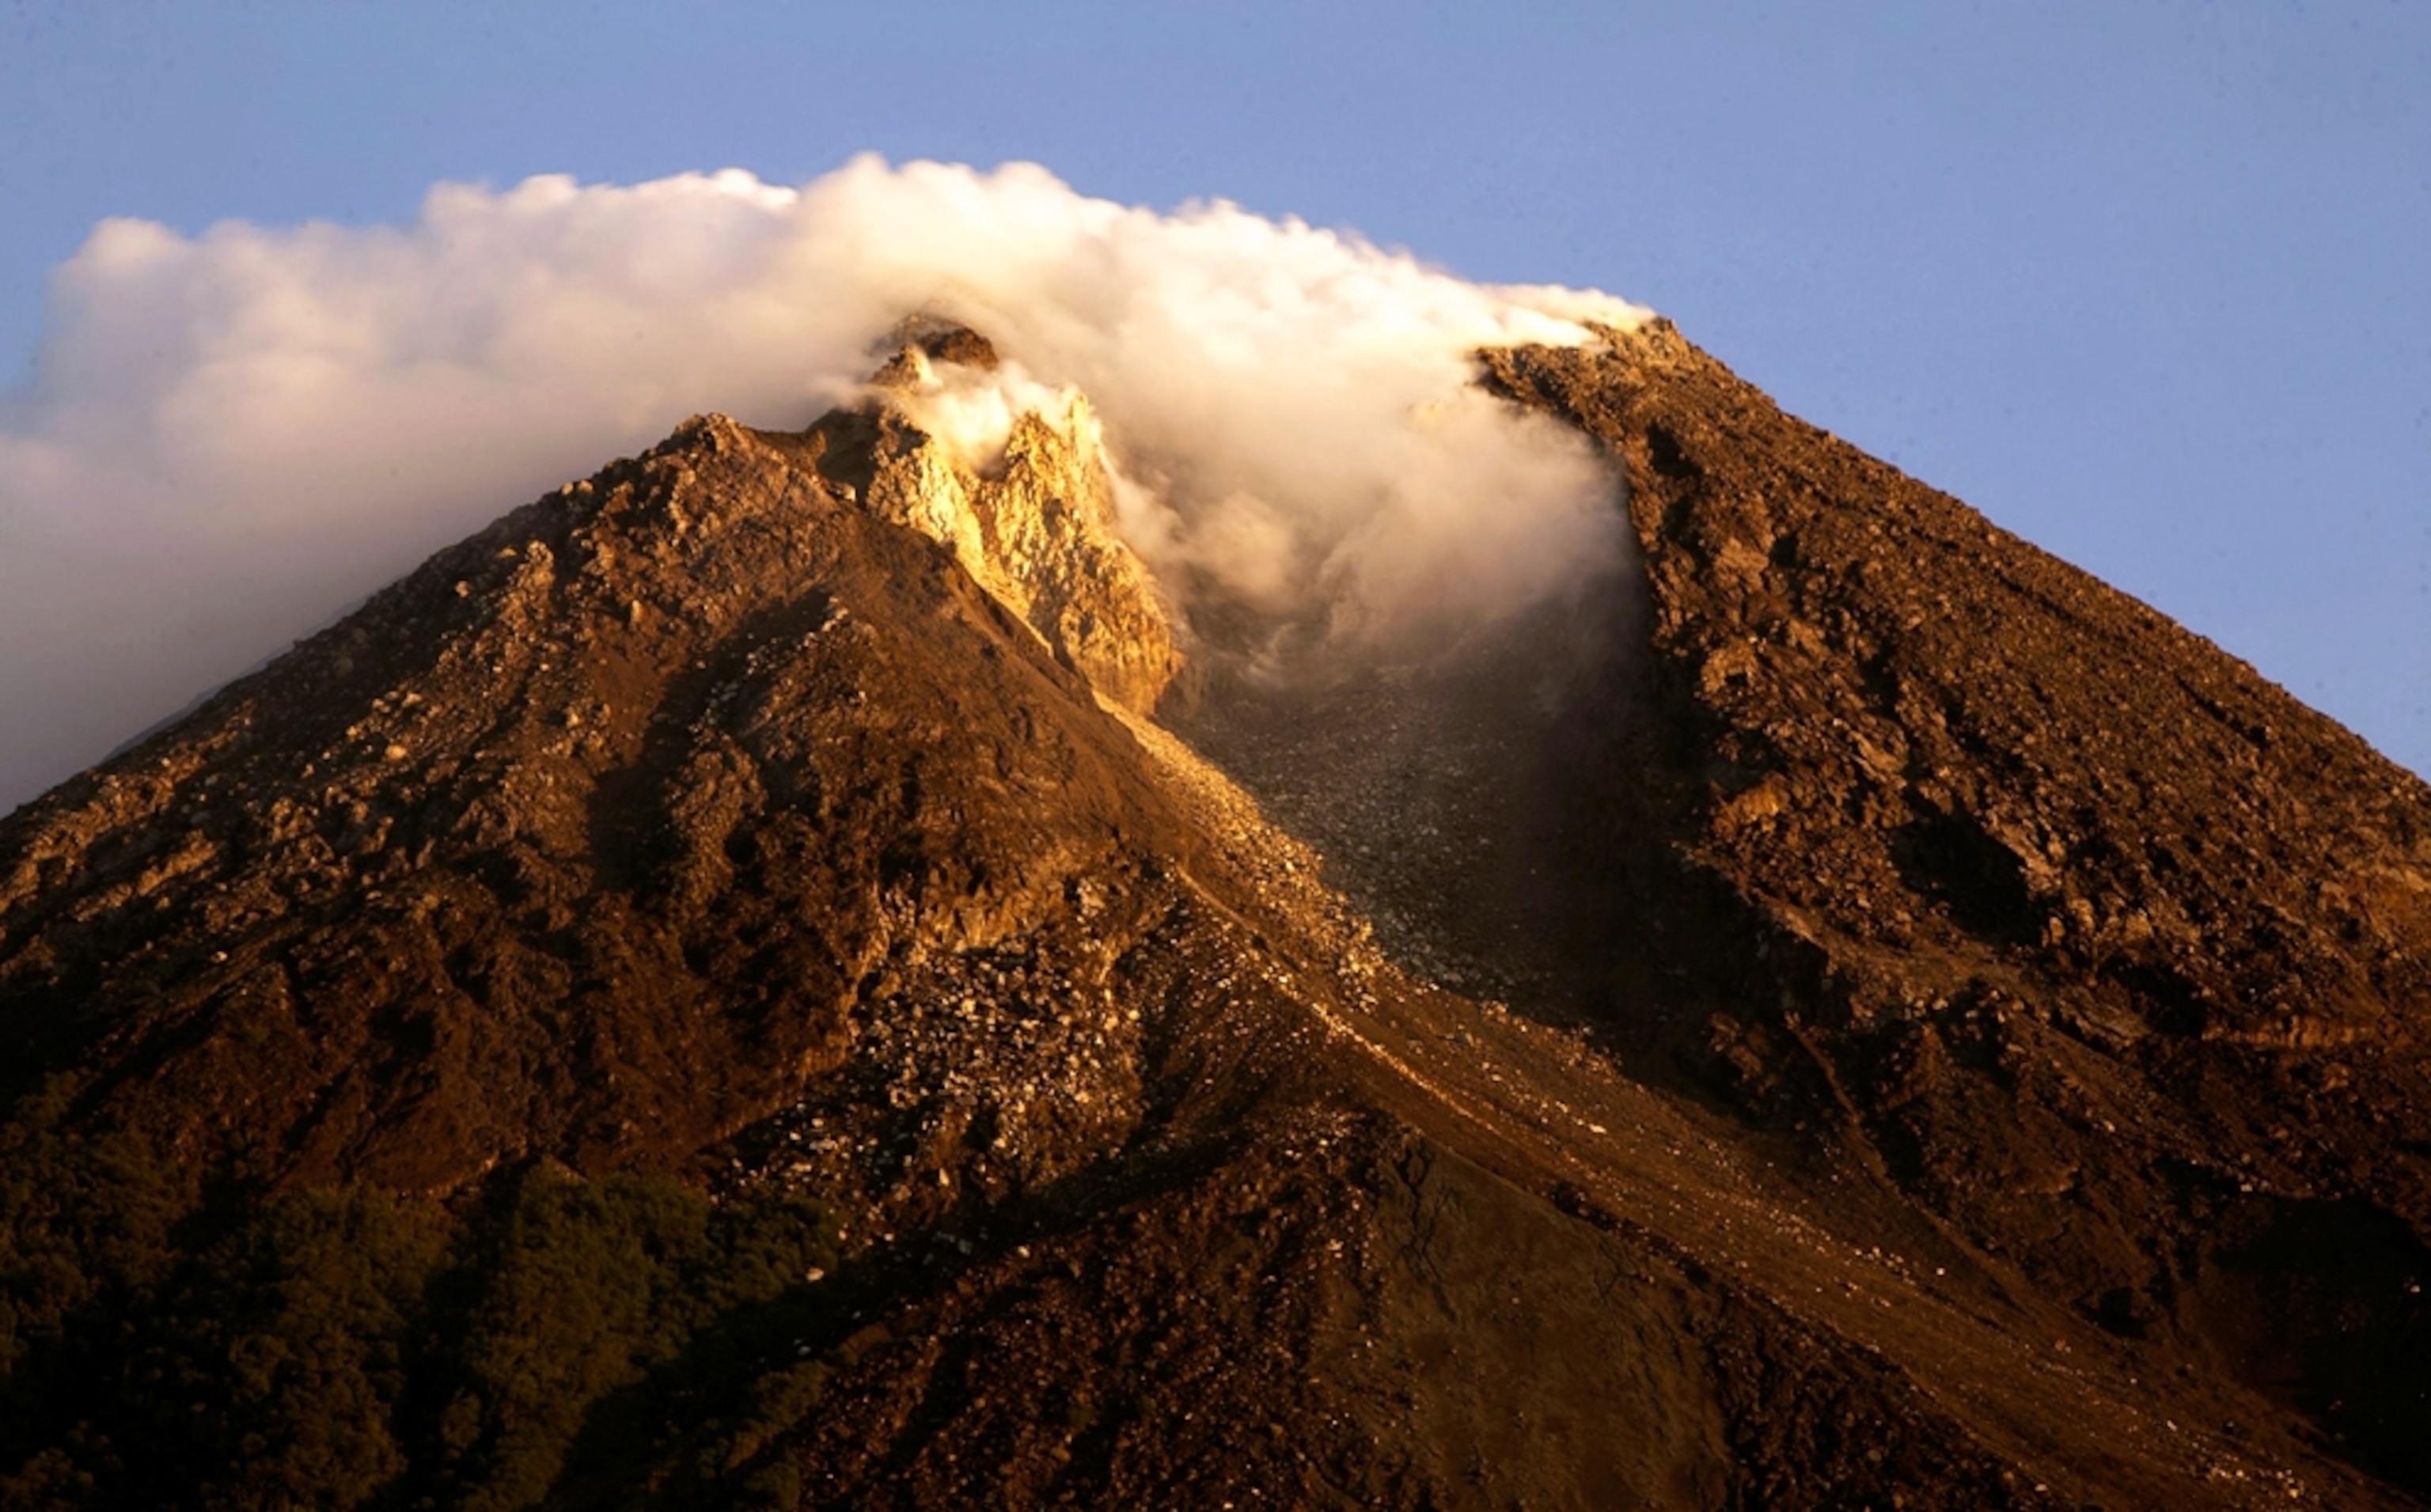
1866, 1016
2108, 956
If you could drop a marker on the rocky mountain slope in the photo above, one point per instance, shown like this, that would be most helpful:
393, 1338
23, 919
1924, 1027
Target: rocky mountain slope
717, 990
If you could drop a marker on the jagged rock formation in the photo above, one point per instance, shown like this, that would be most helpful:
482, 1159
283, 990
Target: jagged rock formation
1037, 529
1910, 1089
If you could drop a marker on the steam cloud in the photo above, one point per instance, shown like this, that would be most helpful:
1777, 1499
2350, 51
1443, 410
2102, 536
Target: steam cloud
229, 438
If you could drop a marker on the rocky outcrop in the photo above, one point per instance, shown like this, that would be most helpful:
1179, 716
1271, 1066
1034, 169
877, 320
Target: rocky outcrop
1035, 525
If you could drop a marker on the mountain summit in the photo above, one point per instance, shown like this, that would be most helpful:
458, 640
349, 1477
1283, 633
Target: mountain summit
756, 981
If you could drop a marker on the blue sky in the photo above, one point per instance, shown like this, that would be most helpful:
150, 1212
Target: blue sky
2150, 284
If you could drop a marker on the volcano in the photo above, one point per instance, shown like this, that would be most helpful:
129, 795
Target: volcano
782, 974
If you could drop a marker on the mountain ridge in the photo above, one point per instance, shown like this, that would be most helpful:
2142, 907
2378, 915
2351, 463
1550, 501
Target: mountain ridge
729, 819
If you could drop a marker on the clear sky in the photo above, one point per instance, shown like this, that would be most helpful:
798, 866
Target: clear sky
2148, 283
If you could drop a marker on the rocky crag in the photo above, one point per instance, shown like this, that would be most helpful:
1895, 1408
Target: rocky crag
717, 991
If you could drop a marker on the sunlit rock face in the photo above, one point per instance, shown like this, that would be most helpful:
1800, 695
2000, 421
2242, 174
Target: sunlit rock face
1034, 523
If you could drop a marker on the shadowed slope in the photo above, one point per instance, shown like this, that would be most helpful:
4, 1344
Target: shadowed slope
2109, 956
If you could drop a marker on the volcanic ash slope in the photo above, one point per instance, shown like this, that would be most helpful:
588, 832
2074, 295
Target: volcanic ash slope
1962, 1042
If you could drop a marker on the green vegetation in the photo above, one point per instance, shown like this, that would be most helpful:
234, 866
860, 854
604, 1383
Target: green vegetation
167, 1342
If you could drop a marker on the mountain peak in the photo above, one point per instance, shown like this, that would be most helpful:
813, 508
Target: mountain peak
918, 340
1029, 507
729, 942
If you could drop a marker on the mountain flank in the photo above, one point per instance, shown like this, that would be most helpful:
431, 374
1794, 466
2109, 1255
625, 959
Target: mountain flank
753, 982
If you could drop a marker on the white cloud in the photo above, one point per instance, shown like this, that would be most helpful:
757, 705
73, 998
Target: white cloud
230, 437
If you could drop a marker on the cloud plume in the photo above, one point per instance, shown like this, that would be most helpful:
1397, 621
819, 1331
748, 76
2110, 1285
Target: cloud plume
230, 437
